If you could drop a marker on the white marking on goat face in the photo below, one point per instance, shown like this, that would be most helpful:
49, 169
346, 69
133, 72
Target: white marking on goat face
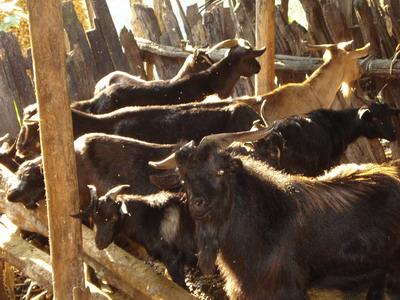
170, 224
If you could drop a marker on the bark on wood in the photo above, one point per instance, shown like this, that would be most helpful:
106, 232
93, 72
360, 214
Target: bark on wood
110, 35
103, 62
48, 52
132, 52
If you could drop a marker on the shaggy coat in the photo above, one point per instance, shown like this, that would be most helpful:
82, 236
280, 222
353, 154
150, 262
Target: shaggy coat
277, 235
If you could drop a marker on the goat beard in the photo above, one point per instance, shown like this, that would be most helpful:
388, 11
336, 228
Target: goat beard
207, 238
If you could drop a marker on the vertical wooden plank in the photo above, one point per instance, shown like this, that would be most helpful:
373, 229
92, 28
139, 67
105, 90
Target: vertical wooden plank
23, 84
132, 52
102, 59
265, 36
48, 52
8, 118
110, 35
76, 35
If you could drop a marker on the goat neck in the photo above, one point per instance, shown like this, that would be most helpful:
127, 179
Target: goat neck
326, 80
86, 123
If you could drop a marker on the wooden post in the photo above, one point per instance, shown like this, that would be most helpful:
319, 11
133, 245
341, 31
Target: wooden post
265, 36
48, 52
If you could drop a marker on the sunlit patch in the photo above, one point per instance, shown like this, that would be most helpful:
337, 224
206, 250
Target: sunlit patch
345, 89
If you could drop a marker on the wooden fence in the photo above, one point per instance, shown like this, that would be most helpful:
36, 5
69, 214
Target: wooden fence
155, 44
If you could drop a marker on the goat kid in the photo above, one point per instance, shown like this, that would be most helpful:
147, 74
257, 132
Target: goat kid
194, 63
220, 78
277, 235
160, 223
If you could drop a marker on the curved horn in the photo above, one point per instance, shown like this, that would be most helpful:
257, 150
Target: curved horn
223, 140
231, 43
115, 191
361, 52
4, 138
380, 94
169, 162
312, 47
344, 45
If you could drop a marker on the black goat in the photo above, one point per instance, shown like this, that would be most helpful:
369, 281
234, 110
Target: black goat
220, 78
277, 235
102, 160
158, 124
160, 223
196, 62
309, 144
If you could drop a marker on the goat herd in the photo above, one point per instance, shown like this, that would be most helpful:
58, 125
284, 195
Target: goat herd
205, 184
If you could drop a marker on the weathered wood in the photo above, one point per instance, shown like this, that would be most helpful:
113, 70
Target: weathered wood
335, 23
14, 250
80, 78
6, 287
110, 35
185, 22
48, 52
214, 24
265, 37
168, 22
8, 94
133, 271
103, 62
132, 52
366, 21
316, 23
37, 264
144, 23
198, 31
76, 36
23, 84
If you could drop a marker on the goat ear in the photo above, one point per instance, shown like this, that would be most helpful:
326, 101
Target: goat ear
364, 113
122, 207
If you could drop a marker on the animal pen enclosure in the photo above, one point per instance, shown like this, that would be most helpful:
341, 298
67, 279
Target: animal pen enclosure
154, 48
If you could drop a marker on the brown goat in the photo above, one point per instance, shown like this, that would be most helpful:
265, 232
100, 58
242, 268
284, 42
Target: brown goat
318, 90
